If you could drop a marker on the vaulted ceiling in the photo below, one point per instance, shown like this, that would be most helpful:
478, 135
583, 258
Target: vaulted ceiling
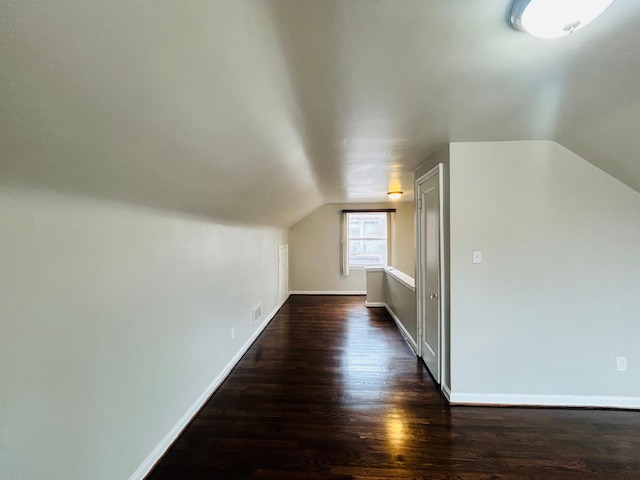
260, 111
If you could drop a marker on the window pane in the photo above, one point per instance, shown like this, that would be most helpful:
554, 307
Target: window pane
372, 252
375, 246
371, 229
376, 227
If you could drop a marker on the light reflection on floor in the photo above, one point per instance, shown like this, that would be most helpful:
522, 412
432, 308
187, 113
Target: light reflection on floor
365, 360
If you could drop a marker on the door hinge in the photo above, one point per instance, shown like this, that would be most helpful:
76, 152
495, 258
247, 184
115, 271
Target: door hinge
419, 204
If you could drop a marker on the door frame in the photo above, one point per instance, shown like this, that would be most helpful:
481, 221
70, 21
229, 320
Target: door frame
420, 291
283, 252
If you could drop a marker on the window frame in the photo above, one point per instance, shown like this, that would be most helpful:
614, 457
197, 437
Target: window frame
346, 238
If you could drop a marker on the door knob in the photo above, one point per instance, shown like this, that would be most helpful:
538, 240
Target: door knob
433, 295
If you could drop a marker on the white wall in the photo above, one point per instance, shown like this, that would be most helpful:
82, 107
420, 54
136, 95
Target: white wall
403, 245
314, 248
375, 281
113, 320
556, 298
401, 301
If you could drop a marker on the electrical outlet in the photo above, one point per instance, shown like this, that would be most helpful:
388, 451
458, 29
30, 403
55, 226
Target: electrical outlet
233, 333
621, 364
256, 313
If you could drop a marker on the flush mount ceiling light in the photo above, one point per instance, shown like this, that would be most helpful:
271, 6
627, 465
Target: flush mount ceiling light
555, 18
395, 195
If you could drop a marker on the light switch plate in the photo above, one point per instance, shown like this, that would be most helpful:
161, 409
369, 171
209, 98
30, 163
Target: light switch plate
476, 256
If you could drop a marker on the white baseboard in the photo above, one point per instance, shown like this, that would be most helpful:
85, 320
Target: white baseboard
412, 343
401, 327
513, 399
374, 304
446, 391
161, 448
329, 292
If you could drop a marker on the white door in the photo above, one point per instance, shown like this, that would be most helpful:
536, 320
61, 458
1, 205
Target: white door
283, 272
429, 272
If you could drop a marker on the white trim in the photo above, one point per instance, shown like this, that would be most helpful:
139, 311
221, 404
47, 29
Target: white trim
283, 248
374, 304
344, 245
431, 173
402, 277
374, 269
438, 170
602, 401
420, 294
363, 267
403, 330
427, 161
444, 340
446, 391
161, 448
328, 292
391, 221
417, 202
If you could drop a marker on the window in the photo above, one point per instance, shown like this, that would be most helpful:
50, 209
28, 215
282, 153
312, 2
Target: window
367, 239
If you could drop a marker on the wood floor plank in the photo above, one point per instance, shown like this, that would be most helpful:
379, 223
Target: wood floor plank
331, 391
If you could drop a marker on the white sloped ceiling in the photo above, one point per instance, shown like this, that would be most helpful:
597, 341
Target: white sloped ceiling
260, 111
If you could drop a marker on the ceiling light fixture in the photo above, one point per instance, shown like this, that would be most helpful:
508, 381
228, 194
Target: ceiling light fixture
395, 195
555, 18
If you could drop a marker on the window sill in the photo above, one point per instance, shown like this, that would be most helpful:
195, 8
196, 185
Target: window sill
375, 269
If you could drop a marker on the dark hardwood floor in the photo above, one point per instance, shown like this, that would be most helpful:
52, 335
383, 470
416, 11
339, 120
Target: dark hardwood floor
330, 390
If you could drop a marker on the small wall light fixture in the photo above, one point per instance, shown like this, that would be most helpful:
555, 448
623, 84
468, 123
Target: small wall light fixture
394, 195
554, 18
